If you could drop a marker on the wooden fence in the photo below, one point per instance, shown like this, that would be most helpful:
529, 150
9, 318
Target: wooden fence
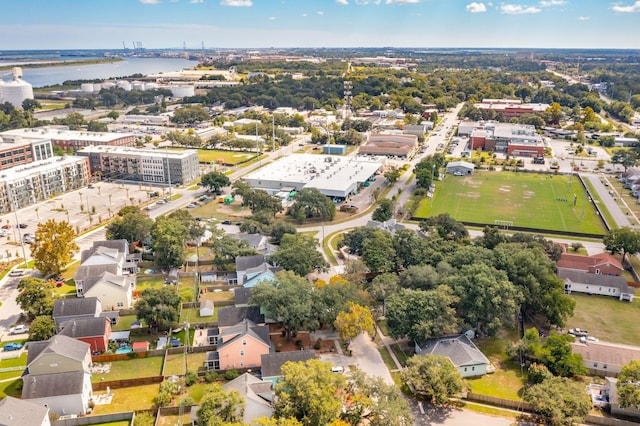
607, 421
97, 420
500, 402
127, 383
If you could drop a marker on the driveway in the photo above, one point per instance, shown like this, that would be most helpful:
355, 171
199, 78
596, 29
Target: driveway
453, 417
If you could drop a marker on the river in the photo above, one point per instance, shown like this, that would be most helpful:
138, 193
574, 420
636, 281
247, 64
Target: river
48, 76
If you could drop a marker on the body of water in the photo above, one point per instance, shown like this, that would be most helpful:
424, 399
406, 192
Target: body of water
48, 76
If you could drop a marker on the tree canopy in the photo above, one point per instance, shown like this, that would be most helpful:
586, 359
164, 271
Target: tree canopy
131, 225
54, 246
215, 181
433, 378
560, 401
219, 408
311, 203
628, 385
298, 253
158, 307
35, 297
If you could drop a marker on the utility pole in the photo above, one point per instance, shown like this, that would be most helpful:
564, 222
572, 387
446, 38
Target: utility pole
15, 211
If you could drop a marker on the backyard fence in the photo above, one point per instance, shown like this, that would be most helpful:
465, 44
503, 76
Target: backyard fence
500, 402
607, 421
128, 416
127, 383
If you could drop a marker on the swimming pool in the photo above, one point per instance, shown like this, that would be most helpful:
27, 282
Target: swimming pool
124, 350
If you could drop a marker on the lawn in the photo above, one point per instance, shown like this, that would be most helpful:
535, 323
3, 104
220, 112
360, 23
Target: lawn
175, 363
129, 399
11, 388
523, 199
193, 315
149, 281
21, 361
124, 323
131, 368
607, 318
230, 158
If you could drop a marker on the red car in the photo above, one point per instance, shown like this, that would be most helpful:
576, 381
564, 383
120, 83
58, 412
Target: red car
6, 226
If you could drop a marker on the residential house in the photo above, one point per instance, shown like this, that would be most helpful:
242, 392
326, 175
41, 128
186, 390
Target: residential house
69, 309
602, 263
94, 331
604, 285
241, 296
614, 401
273, 362
462, 353
391, 225
262, 273
113, 291
232, 315
257, 395
240, 346
244, 263
58, 375
105, 256
19, 412
605, 358
258, 242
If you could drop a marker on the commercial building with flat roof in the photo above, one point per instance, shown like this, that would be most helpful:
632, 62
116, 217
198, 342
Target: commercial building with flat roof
519, 140
145, 165
64, 138
23, 146
511, 108
333, 176
390, 145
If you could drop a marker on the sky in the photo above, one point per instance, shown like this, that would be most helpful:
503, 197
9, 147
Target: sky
106, 24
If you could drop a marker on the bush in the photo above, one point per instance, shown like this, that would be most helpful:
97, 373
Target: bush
537, 373
211, 376
191, 378
318, 344
231, 374
187, 401
162, 399
299, 344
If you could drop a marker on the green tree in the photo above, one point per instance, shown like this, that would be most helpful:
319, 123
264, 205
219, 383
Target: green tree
30, 104
626, 157
96, 126
428, 169
356, 320
190, 115
392, 174
309, 392
133, 226
433, 378
384, 211
169, 237
622, 240
290, 299
383, 286
298, 253
559, 358
218, 408
628, 385
35, 297
560, 401
420, 314
378, 252
54, 247
311, 203
158, 307
265, 421
113, 115
279, 229
43, 327
215, 181
445, 226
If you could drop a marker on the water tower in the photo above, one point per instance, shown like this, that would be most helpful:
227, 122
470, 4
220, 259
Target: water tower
16, 90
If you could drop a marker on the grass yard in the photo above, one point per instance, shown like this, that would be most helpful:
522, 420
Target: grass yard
21, 361
11, 388
131, 368
193, 315
230, 158
525, 199
149, 281
175, 363
185, 419
606, 318
129, 399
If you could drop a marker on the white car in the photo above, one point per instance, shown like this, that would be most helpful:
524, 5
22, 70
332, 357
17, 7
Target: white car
19, 329
458, 174
17, 272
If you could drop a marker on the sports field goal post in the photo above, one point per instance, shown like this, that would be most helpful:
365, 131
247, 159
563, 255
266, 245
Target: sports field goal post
506, 224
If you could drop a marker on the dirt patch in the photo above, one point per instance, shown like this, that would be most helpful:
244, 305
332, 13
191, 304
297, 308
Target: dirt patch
471, 182
504, 189
474, 195
528, 194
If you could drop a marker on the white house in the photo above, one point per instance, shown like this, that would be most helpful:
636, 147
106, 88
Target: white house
18, 412
462, 353
257, 395
113, 291
604, 285
605, 358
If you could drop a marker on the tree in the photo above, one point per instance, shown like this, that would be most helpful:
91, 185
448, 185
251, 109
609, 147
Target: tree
54, 246
169, 237
353, 322
378, 252
559, 358
432, 377
158, 307
113, 115
190, 115
96, 126
622, 240
445, 226
384, 211
311, 203
383, 286
421, 315
287, 421
309, 392
42, 328
279, 229
560, 401
30, 104
298, 253
392, 174
627, 158
628, 385
132, 226
289, 299
218, 408
215, 180
427, 169
35, 297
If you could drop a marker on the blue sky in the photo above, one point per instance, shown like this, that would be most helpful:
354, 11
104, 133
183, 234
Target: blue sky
105, 24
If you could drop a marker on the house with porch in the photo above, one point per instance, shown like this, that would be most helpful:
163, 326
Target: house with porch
239, 346
590, 283
273, 361
461, 351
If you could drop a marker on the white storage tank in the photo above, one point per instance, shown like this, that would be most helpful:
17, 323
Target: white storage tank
87, 87
137, 85
17, 90
108, 85
97, 87
125, 85
182, 90
150, 86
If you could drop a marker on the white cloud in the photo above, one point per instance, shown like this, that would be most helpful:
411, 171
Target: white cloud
476, 7
343, 2
401, 1
518, 9
635, 7
583, 18
548, 3
196, 1
149, 1
320, 12
236, 3
272, 18
305, 15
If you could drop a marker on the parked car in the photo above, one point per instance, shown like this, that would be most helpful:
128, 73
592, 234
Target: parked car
21, 225
11, 346
19, 329
17, 272
6, 226
226, 222
175, 343
161, 202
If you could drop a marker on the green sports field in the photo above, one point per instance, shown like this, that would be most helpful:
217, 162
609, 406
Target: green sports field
230, 158
538, 201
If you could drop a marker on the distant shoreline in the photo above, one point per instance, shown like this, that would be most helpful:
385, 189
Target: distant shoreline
64, 63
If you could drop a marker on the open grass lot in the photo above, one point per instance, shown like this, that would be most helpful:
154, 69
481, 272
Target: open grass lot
175, 363
218, 155
129, 399
131, 368
193, 315
526, 199
607, 318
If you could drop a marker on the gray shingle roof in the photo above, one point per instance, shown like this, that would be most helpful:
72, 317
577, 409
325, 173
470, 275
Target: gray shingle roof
18, 412
247, 262
241, 295
84, 327
59, 344
272, 362
75, 307
47, 385
244, 328
582, 277
232, 315
459, 349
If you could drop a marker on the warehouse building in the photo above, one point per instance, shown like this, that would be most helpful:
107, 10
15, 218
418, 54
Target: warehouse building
391, 145
333, 176
520, 140
143, 165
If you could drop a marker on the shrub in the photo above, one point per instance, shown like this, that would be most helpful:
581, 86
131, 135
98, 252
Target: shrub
537, 373
318, 344
210, 376
187, 401
162, 399
191, 378
231, 374
299, 343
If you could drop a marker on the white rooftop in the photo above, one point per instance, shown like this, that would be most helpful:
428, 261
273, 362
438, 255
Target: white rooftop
25, 170
40, 133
